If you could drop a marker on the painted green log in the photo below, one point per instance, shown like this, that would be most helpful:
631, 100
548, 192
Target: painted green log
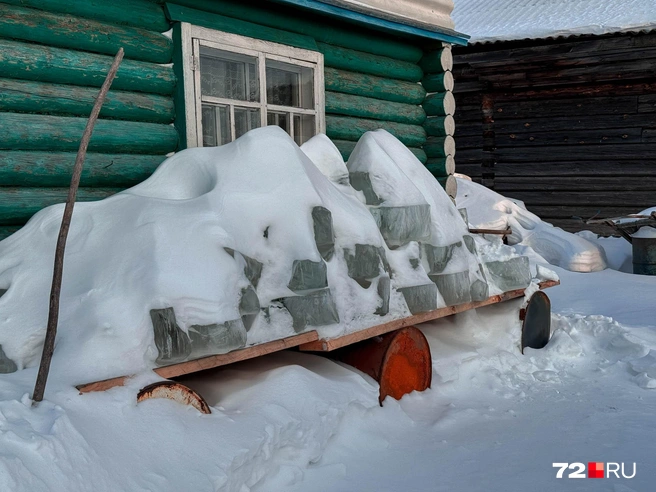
358, 61
440, 104
437, 61
331, 32
366, 107
6, 231
441, 167
34, 62
438, 82
372, 86
241, 27
136, 13
179, 91
18, 204
29, 168
64, 31
349, 128
39, 97
346, 148
440, 126
59, 133
440, 146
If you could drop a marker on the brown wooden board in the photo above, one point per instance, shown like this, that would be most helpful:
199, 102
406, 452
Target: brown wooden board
327, 345
209, 362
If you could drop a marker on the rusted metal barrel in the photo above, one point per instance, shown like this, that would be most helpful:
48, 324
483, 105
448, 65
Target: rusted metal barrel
400, 361
644, 255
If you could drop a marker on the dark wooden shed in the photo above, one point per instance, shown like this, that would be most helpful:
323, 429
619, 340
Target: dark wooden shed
565, 124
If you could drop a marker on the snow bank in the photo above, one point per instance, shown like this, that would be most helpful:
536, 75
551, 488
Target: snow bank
488, 209
241, 244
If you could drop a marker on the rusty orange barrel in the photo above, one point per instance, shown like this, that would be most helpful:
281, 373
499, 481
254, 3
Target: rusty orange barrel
400, 361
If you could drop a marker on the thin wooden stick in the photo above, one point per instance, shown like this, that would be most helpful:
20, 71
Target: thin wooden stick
55, 290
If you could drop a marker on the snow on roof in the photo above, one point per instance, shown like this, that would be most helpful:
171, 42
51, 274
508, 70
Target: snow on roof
504, 20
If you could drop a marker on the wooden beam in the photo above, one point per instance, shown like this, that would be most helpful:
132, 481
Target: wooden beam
439, 104
351, 129
327, 345
209, 362
371, 86
367, 107
437, 61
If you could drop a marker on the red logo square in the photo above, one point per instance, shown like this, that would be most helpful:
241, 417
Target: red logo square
595, 470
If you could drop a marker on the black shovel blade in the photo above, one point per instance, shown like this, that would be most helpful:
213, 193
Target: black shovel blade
536, 326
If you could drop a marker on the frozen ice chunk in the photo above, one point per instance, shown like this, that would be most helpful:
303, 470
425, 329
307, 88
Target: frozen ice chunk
463, 214
327, 158
480, 290
383, 289
420, 298
365, 262
324, 235
400, 225
511, 274
172, 343
313, 309
362, 182
249, 306
6, 364
439, 256
2, 292
252, 267
308, 275
217, 338
454, 287
470, 243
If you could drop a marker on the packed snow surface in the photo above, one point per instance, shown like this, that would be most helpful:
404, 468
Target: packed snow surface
502, 20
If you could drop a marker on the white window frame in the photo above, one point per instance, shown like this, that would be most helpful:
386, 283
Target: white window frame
194, 36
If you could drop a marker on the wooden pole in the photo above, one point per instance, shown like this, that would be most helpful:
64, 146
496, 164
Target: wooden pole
55, 290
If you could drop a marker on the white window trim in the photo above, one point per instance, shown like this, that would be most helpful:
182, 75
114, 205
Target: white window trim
254, 47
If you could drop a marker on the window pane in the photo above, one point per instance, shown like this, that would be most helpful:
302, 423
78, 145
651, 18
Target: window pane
289, 85
229, 75
216, 125
246, 119
303, 128
279, 119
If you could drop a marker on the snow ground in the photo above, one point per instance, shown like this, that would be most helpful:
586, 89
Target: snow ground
494, 420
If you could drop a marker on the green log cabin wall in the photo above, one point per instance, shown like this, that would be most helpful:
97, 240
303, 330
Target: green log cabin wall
54, 55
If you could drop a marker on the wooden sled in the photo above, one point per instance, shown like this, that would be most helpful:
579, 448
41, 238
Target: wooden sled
395, 353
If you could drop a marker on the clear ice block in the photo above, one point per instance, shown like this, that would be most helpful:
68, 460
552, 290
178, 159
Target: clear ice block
324, 236
313, 309
308, 275
400, 225
172, 343
420, 298
470, 243
365, 262
454, 287
439, 256
511, 274
217, 338
6, 364
249, 306
362, 182
383, 289
252, 267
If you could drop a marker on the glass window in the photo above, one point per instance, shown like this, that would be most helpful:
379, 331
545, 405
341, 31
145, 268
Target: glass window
237, 84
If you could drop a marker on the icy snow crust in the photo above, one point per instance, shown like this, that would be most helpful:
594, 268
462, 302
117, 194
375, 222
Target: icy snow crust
182, 242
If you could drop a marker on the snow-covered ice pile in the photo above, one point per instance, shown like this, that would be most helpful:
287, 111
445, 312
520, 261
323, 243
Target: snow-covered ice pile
487, 209
241, 244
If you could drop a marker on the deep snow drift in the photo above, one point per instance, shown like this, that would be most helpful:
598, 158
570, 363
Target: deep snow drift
241, 244
487, 209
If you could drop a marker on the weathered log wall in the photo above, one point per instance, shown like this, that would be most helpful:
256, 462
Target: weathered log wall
565, 125
54, 56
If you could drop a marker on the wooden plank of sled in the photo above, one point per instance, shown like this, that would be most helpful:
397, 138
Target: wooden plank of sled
504, 232
210, 362
374, 331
